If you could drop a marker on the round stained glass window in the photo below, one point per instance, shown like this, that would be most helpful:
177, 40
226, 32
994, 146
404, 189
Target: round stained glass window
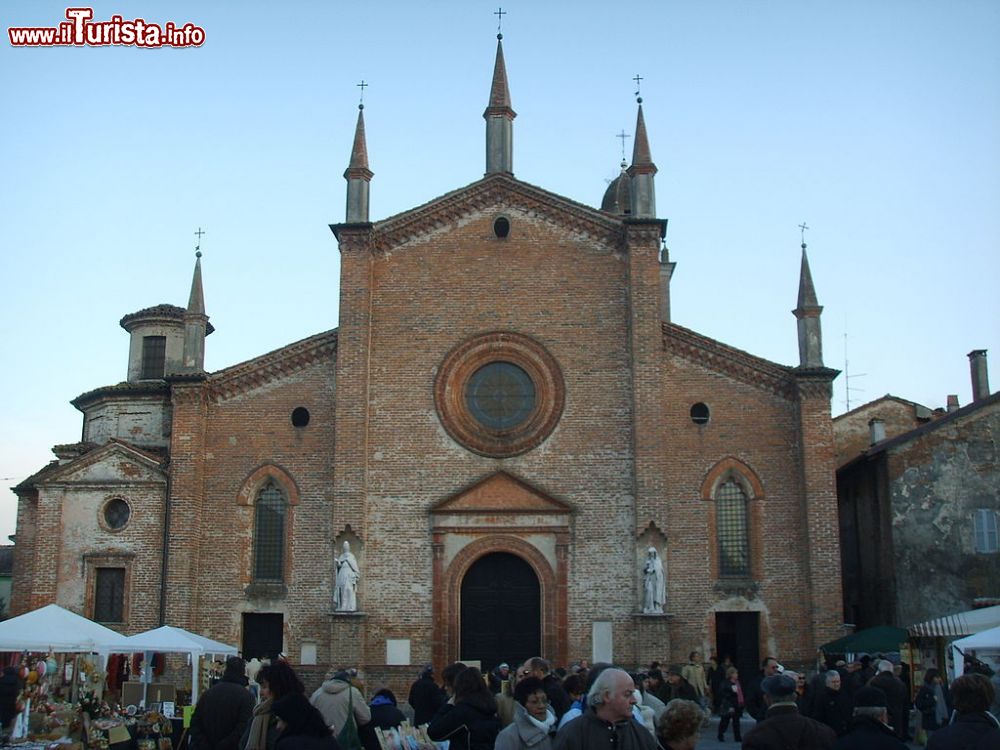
500, 395
116, 514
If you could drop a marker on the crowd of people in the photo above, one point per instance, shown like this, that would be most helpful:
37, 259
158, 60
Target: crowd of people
600, 707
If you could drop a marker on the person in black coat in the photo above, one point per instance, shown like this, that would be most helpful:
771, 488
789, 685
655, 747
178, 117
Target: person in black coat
385, 715
783, 726
869, 730
973, 727
756, 706
302, 725
731, 703
10, 687
832, 705
223, 712
933, 701
895, 696
471, 722
426, 697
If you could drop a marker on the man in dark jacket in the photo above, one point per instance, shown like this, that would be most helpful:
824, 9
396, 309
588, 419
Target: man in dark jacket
895, 696
678, 687
607, 720
869, 730
426, 697
973, 727
783, 728
224, 712
756, 706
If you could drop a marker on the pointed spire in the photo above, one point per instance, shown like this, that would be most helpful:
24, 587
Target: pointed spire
807, 314
807, 292
196, 300
642, 171
499, 118
358, 175
196, 326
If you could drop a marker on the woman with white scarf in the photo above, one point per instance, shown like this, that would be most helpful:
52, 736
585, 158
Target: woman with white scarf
534, 722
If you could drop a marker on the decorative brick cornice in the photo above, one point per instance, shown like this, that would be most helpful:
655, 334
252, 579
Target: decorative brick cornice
272, 366
815, 382
736, 363
503, 192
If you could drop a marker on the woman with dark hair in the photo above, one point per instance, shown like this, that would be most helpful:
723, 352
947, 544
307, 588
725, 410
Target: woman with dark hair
533, 722
973, 727
933, 701
385, 715
276, 681
680, 725
471, 721
301, 724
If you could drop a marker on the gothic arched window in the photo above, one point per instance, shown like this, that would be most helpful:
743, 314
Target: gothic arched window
732, 530
270, 514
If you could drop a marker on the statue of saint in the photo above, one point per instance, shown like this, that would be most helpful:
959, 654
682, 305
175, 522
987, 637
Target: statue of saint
654, 588
345, 591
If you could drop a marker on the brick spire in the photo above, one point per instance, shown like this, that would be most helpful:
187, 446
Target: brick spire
807, 314
641, 172
499, 118
358, 175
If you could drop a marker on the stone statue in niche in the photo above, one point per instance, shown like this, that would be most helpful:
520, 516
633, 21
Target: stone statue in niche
654, 588
345, 592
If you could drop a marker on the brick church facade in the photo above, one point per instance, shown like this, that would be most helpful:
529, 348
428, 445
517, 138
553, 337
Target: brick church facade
502, 425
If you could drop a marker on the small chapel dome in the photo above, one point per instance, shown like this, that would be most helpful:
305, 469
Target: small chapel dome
618, 196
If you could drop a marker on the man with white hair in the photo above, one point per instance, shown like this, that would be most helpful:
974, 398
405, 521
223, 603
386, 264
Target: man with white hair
607, 722
895, 696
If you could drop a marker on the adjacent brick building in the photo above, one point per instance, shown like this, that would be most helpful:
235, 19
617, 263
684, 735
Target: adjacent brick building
503, 423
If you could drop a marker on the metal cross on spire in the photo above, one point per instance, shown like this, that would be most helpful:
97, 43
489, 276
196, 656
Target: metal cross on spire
362, 86
802, 228
197, 248
499, 13
623, 135
638, 84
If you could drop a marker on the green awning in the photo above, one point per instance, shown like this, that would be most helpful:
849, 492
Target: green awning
883, 638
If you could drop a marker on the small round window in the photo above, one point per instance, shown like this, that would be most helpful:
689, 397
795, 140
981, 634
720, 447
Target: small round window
501, 227
500, 395
300, 416
700, 413
116, 513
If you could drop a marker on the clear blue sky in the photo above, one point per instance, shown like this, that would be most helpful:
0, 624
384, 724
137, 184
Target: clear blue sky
877, 123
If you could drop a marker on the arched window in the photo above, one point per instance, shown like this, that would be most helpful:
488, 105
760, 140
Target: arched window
732, 530
270, 513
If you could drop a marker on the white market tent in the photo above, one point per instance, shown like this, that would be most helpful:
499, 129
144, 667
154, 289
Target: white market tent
959, 624
171, 640
53, 628
985, 640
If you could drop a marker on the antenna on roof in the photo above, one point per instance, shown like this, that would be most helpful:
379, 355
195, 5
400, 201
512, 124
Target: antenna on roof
847, 375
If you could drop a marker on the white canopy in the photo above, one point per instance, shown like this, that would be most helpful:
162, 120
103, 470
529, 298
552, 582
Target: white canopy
53, 628
168, 639
986, 640
959, 624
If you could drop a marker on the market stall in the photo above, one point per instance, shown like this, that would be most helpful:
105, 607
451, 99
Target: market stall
171, 640
985, 643
52, 628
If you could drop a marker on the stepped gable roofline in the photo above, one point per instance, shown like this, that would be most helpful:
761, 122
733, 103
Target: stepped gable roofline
741, 365
887, 397
142, 388
164, 312
935, 424
488, 191
268, 367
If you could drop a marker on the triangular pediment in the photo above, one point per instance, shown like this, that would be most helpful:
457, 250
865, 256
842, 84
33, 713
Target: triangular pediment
501, 493
498, 193
113, 463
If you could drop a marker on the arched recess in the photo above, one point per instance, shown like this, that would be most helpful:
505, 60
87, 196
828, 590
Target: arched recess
731, 469
252, 484
448, 587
